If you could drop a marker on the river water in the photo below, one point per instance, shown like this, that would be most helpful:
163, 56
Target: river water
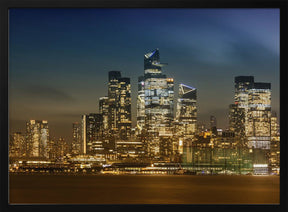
139, 189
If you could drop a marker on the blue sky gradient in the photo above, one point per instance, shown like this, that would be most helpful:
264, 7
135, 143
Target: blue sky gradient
59, 59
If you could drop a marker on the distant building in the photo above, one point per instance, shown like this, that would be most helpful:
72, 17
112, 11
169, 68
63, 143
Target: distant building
104, 111
237, 121
37, 133
91, 133
17, 145
76, 138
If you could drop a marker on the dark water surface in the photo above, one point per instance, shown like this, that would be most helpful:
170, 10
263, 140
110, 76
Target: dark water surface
135, 189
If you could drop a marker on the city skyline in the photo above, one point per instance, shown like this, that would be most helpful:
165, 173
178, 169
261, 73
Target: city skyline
62, 102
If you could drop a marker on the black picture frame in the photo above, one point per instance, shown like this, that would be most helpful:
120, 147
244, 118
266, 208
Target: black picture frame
5, 5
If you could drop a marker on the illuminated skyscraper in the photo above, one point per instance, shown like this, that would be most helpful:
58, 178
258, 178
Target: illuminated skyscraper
17, 145
91, 132
155, 100
104, 111
124, 109
237, 121
141, 105
259, 116
76, 138
242, 86
37, 138
186, 114
255, 100
119, 109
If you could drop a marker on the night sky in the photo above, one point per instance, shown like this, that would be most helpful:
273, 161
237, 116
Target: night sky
59, 59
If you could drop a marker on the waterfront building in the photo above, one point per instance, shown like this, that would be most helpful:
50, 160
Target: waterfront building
62, 149
253, 102
76, 138
155, 100
37, 135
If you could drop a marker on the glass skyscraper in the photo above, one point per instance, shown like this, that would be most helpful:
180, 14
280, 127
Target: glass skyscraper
155, 103
186, 114
119, 105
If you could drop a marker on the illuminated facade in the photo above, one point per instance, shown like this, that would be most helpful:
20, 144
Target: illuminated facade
119, 109
274, 158
17, 145
259, 116
91, 133
237, 121
37, 133
186, 113
76, 139
155, 102
242, 86
104, 111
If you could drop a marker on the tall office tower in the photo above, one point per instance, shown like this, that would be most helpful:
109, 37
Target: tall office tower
242, 86
119, 100
76, 138
124, 122
259, 116
104, 111
37, 133
17, 145
186, 113
141, 105
237, 121
158, 101
91, 132
113, 94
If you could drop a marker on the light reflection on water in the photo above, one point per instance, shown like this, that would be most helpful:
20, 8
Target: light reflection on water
134, 189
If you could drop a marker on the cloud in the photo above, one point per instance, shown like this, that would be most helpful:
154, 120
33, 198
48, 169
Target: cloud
46, 93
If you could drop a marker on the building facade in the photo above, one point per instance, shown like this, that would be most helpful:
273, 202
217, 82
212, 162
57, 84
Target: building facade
37, 135
155, 103
76, 139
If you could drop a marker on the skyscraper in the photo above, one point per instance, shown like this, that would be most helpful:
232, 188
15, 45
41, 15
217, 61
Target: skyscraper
259, 116
186, 114
119, 105
253, 99
37, 133
242, 86
91, 132
155, 100
104, 111
237, 121
76, 138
